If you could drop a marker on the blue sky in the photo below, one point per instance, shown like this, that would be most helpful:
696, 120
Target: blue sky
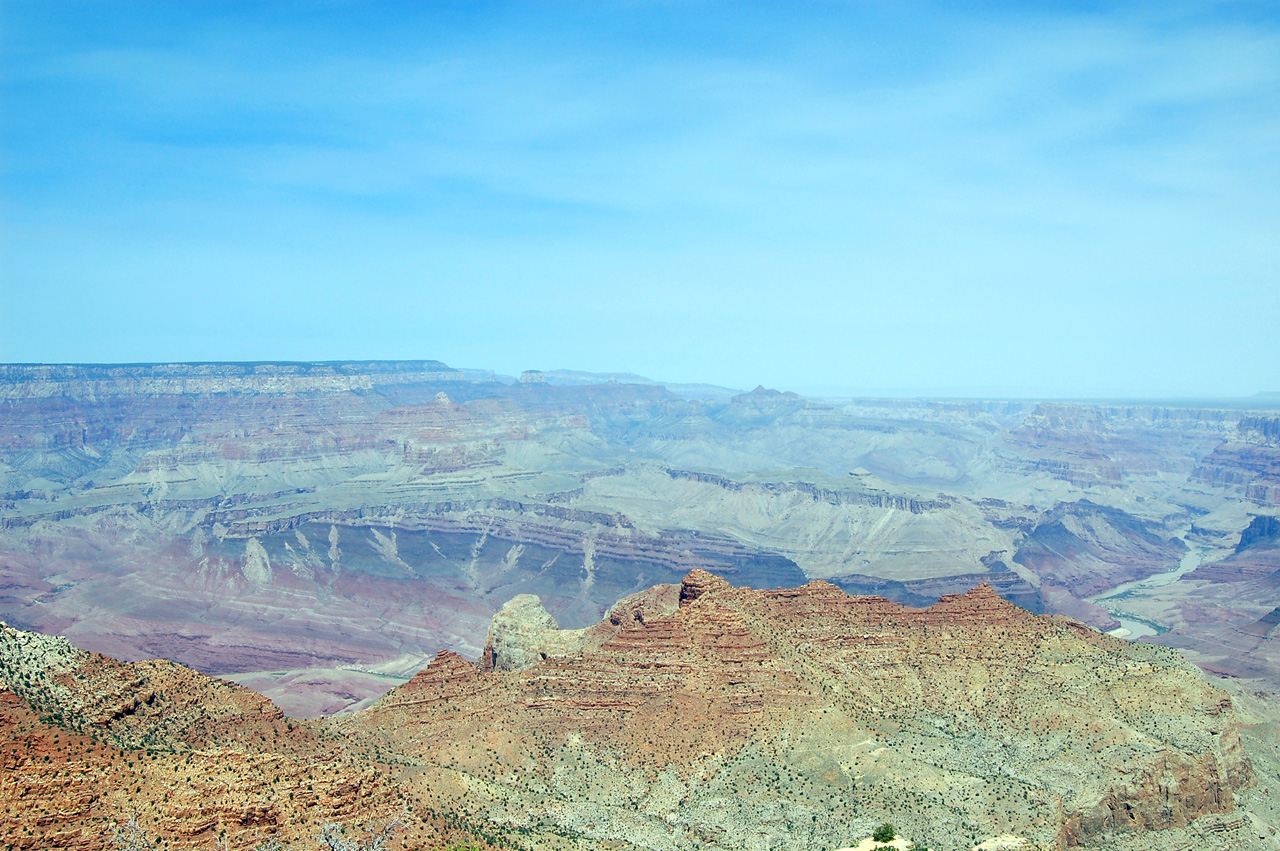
1060, 199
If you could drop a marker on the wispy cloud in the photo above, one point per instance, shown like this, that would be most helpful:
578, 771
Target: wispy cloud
770, 178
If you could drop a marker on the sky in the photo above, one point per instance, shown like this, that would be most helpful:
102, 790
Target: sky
965, 199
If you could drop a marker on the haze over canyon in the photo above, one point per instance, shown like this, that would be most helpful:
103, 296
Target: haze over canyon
323, 532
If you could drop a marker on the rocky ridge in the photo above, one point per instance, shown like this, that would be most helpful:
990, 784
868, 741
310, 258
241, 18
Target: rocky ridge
806, 715
522, 634
693, 716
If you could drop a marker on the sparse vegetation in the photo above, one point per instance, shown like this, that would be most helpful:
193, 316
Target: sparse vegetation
884, 833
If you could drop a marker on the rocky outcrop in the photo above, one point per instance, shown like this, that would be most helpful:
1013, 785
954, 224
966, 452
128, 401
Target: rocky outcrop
87, 741
698, 583
817, 711
522, 634
1262, 530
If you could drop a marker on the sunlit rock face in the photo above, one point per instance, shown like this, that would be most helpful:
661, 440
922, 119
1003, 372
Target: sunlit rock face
521, 635
821, 715
689, 717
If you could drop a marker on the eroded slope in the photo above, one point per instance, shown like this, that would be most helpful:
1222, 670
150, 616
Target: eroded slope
800, 718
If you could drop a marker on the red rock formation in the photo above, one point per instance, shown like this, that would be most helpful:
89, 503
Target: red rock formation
87, 742
810, 709
965, 688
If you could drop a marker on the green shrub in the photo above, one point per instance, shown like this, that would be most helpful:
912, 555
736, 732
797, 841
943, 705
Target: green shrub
884, 833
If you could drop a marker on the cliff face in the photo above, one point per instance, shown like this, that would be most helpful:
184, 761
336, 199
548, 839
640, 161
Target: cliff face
1108, 445
820, 715
522, 634
1248, 463
269, 517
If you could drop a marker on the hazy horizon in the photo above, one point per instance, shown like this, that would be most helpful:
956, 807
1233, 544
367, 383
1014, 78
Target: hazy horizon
1262, 398
1059, 200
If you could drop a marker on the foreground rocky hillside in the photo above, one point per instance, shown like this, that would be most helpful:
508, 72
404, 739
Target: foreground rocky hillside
320, 530
802, 718
86, 742
693, 716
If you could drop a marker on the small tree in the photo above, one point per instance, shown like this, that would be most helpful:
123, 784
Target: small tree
884, 833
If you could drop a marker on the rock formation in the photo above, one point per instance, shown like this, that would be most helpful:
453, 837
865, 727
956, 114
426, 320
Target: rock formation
1263, 530
1248, 463
522, 634
87, 742
693, 716
808, 715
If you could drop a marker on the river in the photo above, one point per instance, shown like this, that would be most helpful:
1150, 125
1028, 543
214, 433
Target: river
1131, 626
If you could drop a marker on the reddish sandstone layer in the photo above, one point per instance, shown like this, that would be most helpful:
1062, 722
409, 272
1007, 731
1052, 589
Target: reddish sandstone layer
735, 669
87, 741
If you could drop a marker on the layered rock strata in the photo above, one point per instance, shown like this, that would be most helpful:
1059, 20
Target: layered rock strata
87, 742
276, 517
807, 715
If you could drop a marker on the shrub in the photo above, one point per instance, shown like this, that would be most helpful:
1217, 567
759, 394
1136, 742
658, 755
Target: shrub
884, 833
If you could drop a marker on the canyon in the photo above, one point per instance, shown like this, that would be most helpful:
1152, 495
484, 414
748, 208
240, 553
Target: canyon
376, 544
323, 529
